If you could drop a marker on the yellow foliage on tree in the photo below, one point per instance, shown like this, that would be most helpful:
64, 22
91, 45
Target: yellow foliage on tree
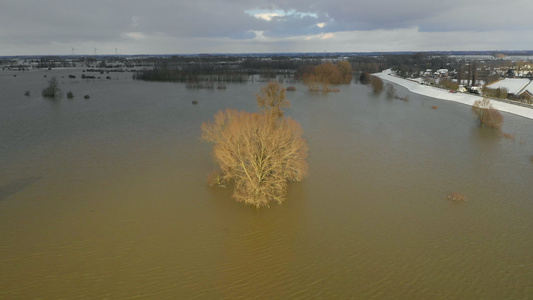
259, 152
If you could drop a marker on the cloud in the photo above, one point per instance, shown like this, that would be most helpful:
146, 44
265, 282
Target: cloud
208, 25
322, 36
134, 35
267, 16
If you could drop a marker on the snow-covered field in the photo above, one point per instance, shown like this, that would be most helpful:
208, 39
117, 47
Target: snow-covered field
467, 99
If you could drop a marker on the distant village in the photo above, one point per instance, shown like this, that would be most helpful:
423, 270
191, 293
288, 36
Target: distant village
514, 82
496, 75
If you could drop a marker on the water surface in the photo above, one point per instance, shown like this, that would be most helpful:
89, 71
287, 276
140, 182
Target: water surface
107, 198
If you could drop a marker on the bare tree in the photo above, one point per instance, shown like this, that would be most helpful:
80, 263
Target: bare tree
53, 89
259, 152
272, 99
390, 90
486, 114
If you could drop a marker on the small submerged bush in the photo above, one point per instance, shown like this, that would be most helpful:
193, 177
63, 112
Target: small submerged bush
70, 95
458, 197
404, 98
507, 136
291, 88
27, 93
86, 97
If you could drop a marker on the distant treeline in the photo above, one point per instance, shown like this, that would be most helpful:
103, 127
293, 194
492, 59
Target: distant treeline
239, 69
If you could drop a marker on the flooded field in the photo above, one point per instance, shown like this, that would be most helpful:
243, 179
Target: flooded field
107, 198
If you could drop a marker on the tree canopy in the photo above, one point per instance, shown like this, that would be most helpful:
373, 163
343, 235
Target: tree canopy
259, 152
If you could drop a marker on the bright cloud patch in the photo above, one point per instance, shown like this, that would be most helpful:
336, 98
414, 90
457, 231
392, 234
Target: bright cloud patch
322, 36
268, 15
134, 35
321, 25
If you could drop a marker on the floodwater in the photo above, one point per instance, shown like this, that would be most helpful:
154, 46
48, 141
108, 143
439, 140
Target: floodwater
107, 198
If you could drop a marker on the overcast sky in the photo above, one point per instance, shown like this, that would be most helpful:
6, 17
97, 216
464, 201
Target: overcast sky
42, 27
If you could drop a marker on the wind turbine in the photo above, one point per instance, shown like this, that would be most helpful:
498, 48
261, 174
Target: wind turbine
72, 50
95, 51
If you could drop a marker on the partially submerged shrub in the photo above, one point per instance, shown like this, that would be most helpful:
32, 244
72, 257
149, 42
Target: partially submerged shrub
390, 90
377, 84
27, 93
404, 98
291, 88
86, 97
216, 179
434, 107
458, 197
194, 101
70, 95
486, 114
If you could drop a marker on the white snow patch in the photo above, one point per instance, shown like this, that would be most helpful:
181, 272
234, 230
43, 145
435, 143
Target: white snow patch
513, 85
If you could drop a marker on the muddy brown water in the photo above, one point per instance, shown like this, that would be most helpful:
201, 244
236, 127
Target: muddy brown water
107, 198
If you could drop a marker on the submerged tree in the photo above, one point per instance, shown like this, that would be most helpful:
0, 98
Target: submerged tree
272, 99
486, 114
377, 84
52, 90
390, 90
259, 152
